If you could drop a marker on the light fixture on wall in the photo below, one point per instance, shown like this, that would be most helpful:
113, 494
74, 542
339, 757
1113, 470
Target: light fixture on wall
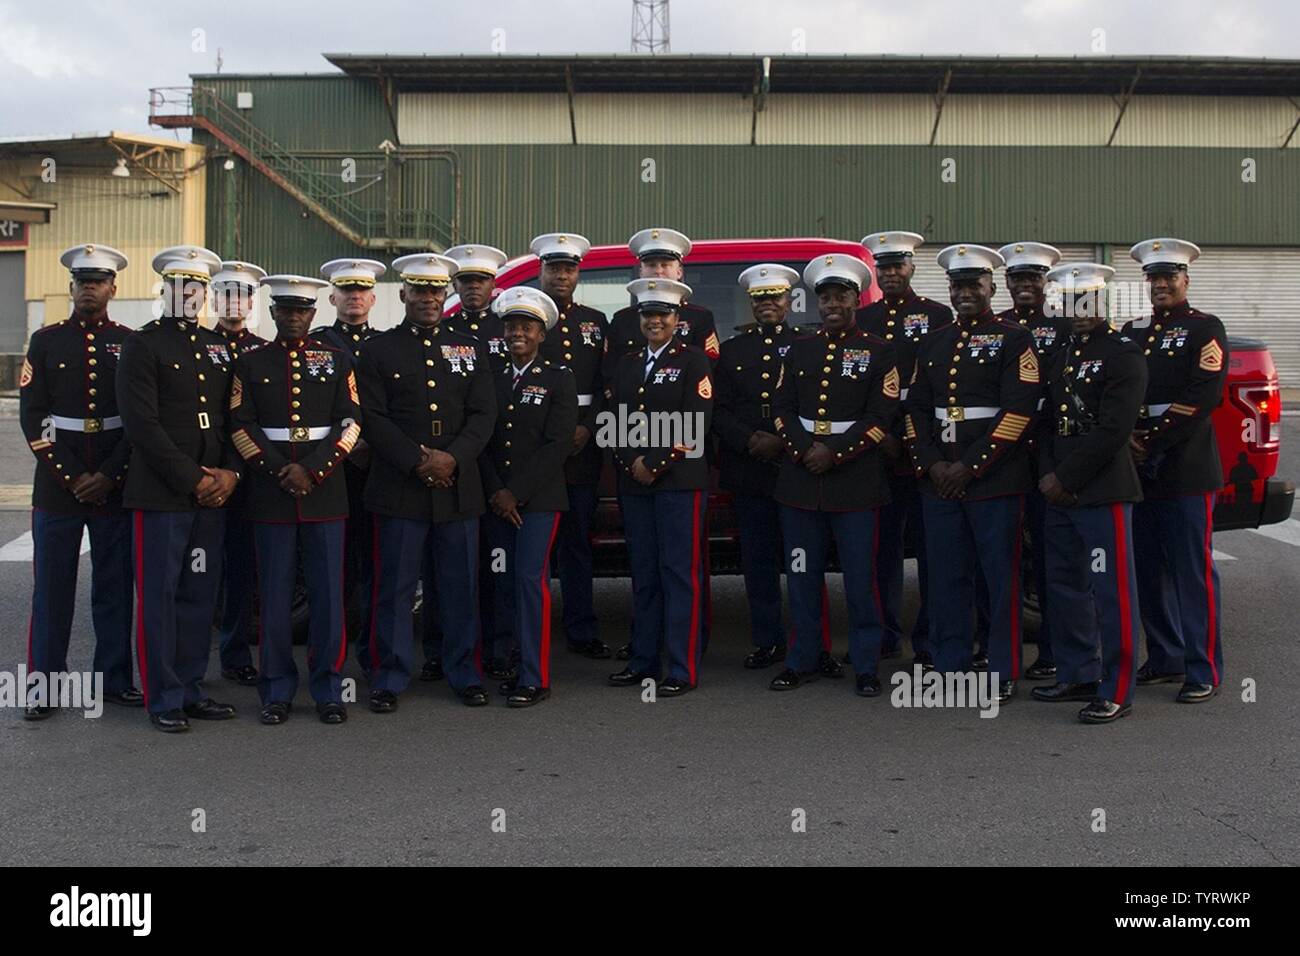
229, 164
120, 170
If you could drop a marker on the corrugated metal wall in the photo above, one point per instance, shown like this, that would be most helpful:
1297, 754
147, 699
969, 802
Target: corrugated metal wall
310, 112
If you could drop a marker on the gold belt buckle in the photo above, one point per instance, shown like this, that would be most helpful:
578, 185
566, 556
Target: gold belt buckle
93, 425
298, 433
204, 421
437, 427
821, 428
956, 413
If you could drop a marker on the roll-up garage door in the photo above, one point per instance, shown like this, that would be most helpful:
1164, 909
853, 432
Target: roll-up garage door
1253, 290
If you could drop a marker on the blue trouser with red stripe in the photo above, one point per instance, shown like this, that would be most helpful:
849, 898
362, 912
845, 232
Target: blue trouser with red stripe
178, 558
237, 592
522, 591
664, 531
806, 539
402, 546
759, 519
1036, 508
900, 520
56, 553
963, 536
358, 564
1093, 597
320, 544
1178, 590
573, 560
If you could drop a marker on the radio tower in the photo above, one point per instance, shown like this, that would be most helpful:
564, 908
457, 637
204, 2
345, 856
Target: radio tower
650, 26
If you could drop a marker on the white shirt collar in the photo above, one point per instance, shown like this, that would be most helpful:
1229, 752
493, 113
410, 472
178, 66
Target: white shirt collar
652, 356
520, 371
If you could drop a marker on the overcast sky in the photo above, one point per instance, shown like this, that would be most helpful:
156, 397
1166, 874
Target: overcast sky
87, 66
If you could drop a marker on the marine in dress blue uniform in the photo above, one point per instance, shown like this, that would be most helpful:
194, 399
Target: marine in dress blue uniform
68, 413
474, 281
660, 252
523, 479
836, 399
969, 409
1026, 276
233, 289
664, 487
296, 417
428, 399
578, 343
904, 319
1095, 389
1178, 458
352, 294
173, 385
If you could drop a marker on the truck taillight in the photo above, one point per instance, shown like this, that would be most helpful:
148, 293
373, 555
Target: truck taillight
1262, 403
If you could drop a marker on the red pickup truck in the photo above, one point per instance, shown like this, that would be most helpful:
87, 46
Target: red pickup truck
1246, 423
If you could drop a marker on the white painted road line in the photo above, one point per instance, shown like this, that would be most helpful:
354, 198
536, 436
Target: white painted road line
20, 548
1222, 556
1288, 532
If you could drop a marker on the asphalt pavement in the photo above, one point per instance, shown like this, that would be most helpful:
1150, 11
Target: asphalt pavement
722, 775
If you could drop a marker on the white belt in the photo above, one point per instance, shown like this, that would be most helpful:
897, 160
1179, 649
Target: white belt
824, 427
96, 424
959, 414
1155, 411
585, 399
902, 394
298, 433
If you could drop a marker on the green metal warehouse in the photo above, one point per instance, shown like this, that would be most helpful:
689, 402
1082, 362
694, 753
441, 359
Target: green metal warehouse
392, 153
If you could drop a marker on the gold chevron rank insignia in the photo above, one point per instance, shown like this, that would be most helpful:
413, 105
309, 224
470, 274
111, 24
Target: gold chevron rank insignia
352, 388
711, 345
236, 393
1212, 357
1028, 367
705, 388
891, 383
1012, 425
25, 378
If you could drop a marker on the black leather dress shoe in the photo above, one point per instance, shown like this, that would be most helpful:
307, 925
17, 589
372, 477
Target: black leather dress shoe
171, 722
383, 701
761, 657
625, 652
1064, 691
790, 679
276, 712
245, 676
829, 666
1104, 711
500, 670
1006, 690
924, 659
673, 687
37, 712
1040, 670
868, 685
980, 661
1196, 693
332, 712
432, 670
507, 687
130, 697
1147, 675
527, 696
594, 649
628, 678
209, 709
473, 696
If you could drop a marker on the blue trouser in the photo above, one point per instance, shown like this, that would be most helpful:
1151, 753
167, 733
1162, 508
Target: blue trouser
358, 563
522, 591
1178, 590
1089, 575
431, 621
900, 520
664, 531
573, 560
278, 549
177, 572
1035, 513
807, 541
760, 560
237, 593
963, 538
403, 546
56, 553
